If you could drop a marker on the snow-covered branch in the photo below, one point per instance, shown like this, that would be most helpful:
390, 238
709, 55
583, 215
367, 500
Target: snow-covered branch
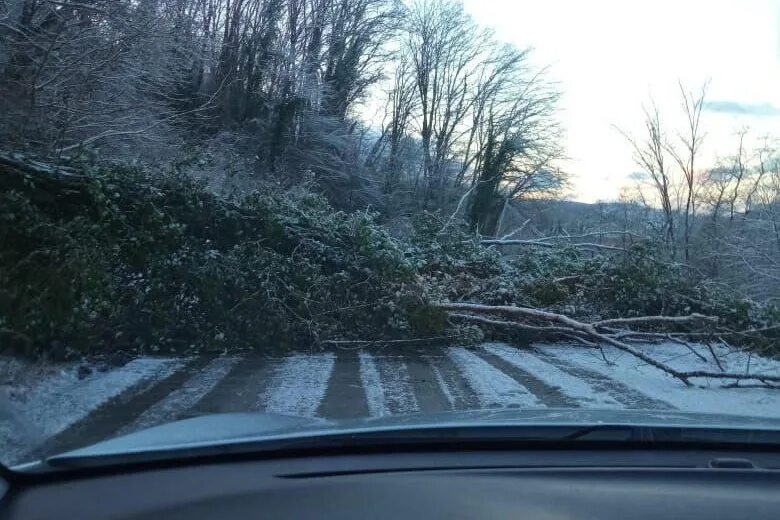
644, 320
594, 334
543, 243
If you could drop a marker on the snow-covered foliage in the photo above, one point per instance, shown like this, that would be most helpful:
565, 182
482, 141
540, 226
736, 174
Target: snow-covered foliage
157, 262
638, 282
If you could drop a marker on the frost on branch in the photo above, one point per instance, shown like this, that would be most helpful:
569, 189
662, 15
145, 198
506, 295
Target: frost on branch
615, 333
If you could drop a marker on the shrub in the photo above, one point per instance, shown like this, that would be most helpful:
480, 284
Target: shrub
159, 263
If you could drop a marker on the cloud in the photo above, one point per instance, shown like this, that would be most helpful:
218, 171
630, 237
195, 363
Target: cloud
748, 109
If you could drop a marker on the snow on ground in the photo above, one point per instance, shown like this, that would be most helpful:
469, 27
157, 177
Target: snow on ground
61, 398
445, 388
706, 396
372, 385
731, 359
39, 402
299, 384
185, 397
397, 385
494, 388
15, 372
569, 385
387, 385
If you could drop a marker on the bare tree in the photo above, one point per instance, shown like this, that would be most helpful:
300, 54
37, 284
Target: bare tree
443, 44
767, 198
85, 72
290, 75
650, 154
396, 128
739, 173
517, 147
690, 140
739, 243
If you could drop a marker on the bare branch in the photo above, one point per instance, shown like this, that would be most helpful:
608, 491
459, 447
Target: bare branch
541, 243
529, 318
643, 320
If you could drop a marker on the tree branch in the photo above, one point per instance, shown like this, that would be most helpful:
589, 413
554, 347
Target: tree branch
525, 318
541, 243
641, 320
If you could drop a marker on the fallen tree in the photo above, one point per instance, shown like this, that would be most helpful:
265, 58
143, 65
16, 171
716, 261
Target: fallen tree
118, 258
115, 256
615, 333
58, 188
551, 245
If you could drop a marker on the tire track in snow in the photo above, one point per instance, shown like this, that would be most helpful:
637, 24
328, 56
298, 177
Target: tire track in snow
494, 388
57, 405
387, 385
453, 385
239, 390
548, 395
658, 385
181, 400
61, 400
345, 398
398, 389
427, 389
571, 386
445, 388
602, 383
372, 386
299, 385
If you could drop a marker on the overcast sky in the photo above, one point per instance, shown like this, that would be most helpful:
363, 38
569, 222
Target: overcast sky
610, 56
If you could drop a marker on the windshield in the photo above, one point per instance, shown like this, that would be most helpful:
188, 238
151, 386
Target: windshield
363, 209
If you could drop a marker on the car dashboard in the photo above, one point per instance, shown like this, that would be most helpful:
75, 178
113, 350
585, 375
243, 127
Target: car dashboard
473, 483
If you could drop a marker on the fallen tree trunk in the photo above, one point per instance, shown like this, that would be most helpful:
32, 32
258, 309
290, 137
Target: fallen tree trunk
359, 344
17, 164
643, 320
594, 334
56, 188
550, 245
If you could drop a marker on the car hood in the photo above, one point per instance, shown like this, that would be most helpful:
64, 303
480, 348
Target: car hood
242, 428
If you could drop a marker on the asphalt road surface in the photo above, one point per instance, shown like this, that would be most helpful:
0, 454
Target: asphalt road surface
69, 408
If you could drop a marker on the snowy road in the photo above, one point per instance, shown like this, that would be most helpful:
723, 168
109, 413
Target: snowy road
59, 410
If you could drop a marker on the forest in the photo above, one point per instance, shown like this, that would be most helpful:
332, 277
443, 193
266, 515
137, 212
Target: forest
188, 175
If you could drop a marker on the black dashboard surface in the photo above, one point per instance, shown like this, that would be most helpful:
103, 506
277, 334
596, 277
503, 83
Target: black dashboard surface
517, 484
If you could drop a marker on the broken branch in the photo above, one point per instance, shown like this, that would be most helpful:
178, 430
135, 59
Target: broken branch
540, 243
642, 320
563, 326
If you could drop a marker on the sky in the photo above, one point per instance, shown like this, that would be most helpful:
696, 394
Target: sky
609, 57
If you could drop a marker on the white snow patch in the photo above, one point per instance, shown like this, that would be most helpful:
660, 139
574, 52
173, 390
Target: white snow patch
387, 385
732, 360
569, 385
372, 386
706, 397
299, 384
185, 397
61, 399
398, 390
493, 387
